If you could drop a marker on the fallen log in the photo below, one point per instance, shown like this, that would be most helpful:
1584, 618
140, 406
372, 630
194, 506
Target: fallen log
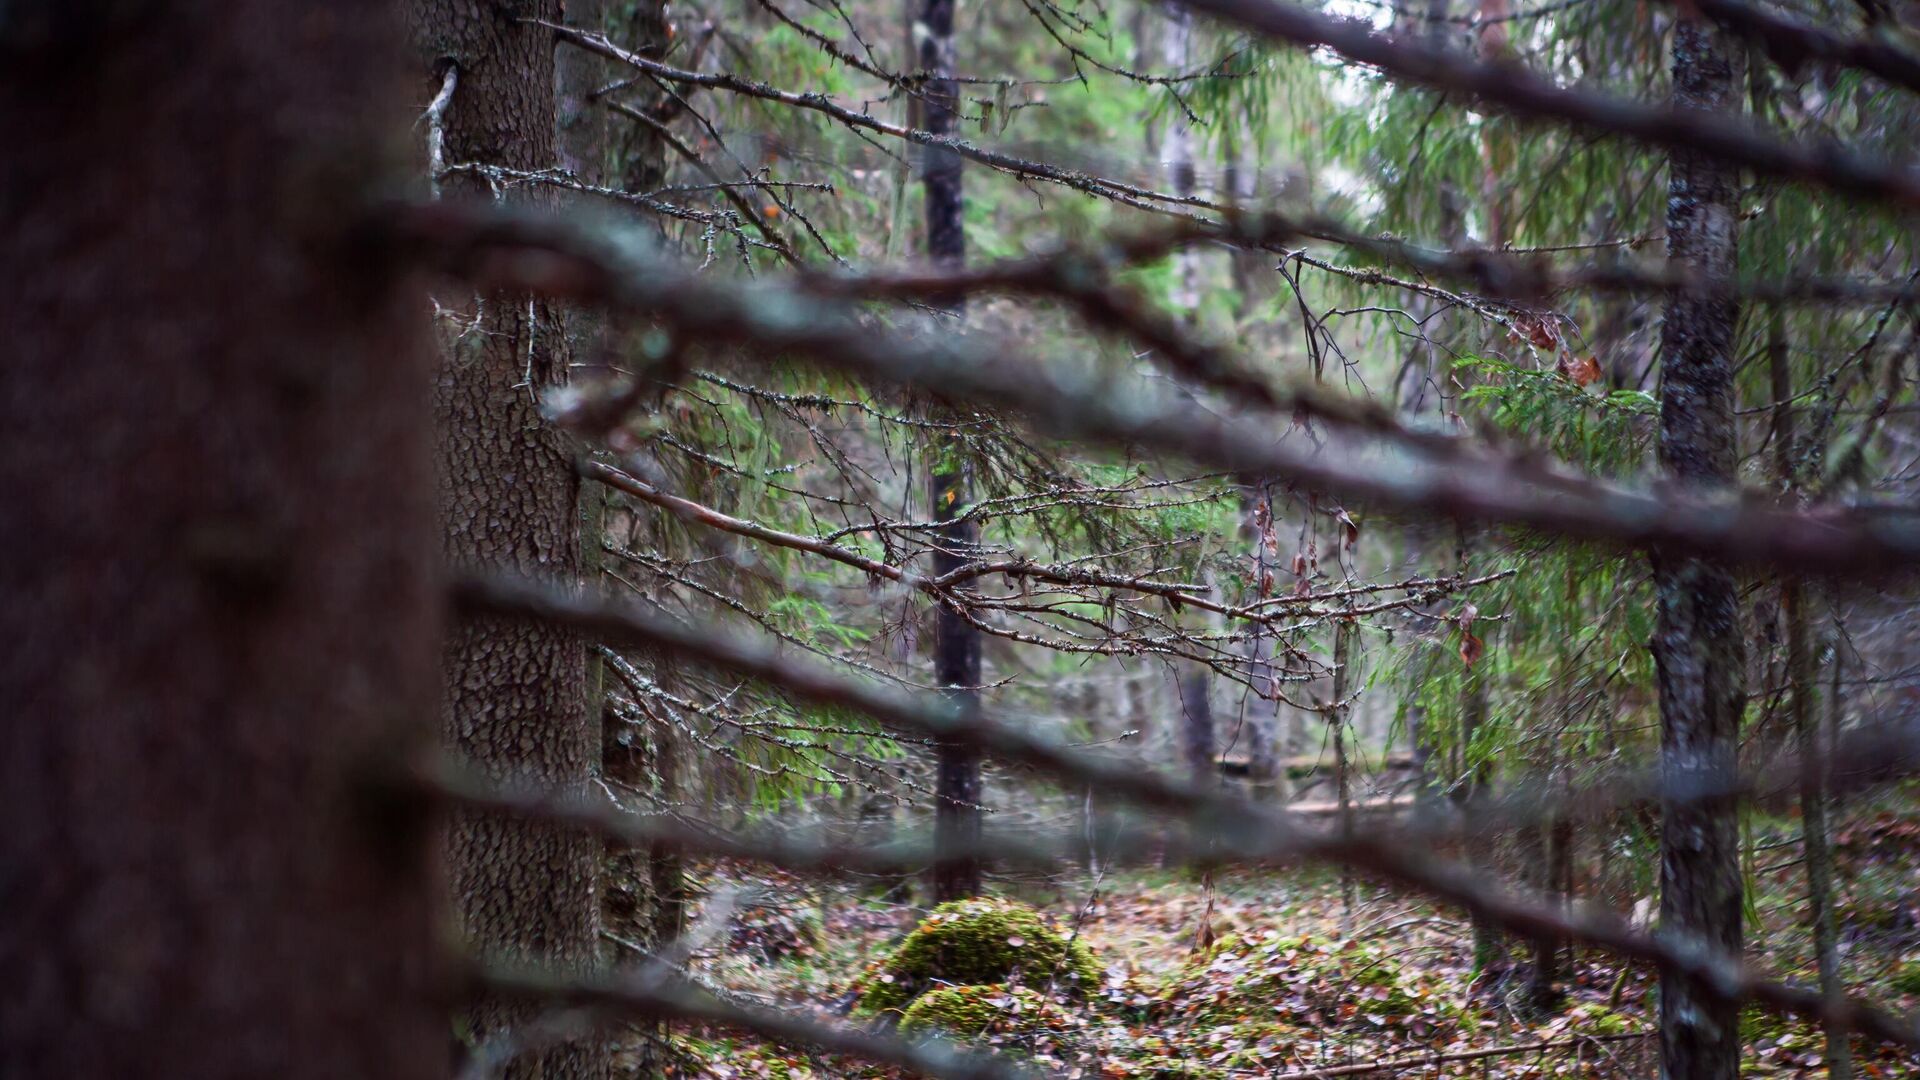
1375, 807
1308, 764
1397, 1064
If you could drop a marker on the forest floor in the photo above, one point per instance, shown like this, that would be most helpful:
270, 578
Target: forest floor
1267, 973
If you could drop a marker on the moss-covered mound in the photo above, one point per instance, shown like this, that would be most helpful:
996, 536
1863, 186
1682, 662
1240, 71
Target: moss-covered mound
1304, 981
977, 943
968, 1012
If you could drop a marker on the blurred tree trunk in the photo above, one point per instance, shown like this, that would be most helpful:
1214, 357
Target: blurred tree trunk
1260, 707
221, 581
956, 644
1697, 645
1801, 718
1343, 631
1176, 50
516, 703
1475, 779
1196, 729
641, 152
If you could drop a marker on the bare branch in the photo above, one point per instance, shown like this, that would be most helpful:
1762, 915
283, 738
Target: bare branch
679, 1000
1365, 456
1520, 92
1791, 42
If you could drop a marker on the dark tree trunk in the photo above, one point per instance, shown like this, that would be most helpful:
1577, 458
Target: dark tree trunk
1343, 631
1196, 728
641, 25
1489, 951
1260, 708
1550, 850
956, 648
1801, 718
1697, 645
516, 690
641, 152
221, 597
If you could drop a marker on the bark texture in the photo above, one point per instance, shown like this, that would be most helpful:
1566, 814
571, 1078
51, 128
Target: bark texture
1697, 645
222, 602
516, 700
956, 647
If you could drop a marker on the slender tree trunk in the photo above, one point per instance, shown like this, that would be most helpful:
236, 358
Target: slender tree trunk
516, 690
638, 159
1488, 948
1343, 631
221, 588
956, 649
1175, 50
1196, 729
1199, 753
1801, 718
1697, 645
1260, 709
1543, 982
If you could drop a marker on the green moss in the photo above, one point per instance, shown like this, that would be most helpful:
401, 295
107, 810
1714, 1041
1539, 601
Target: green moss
1303, 980
971, 1011
1758, 1026
1906, 978
976, 943
1596, 1019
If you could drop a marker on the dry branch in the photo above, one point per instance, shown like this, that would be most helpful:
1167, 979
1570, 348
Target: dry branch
676, 1000
1515, 90
1374, 461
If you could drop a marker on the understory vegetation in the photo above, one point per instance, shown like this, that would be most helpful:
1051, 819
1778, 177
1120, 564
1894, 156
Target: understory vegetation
1150, 539
1248, 973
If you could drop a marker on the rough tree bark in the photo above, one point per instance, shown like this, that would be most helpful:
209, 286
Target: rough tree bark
1697, 645
956, 645
222, 601
516, 691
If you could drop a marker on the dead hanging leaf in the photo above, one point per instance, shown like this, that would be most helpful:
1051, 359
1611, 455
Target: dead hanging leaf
1581, 371
952, 494
1266, 583
1353, 530
1540, 333
1299, 564
1471, 647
